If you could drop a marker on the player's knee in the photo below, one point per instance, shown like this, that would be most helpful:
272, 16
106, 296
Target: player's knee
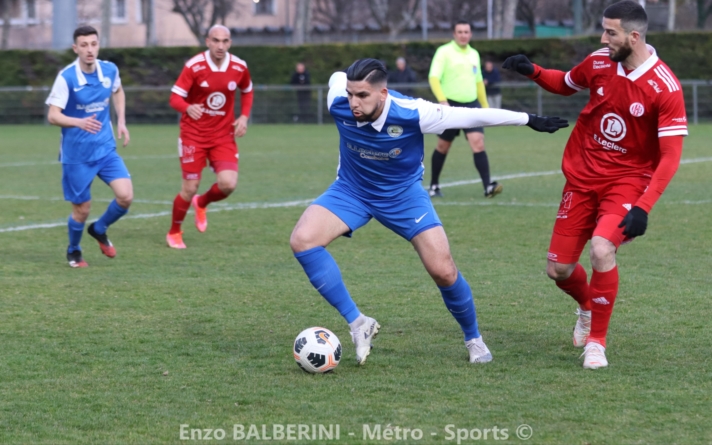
125, 199
603, 254
444, 276
300, 241
558, 271
227, 187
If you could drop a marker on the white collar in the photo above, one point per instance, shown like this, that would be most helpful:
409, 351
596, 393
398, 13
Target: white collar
80, 75
213, 67
378, 123
643, 68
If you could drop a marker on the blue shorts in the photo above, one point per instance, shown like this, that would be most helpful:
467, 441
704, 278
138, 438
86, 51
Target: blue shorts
77, 178
409, 214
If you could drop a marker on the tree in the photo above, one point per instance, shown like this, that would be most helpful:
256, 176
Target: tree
5, 9
393, 15
338, 14
302, 22
704, 9
200, 15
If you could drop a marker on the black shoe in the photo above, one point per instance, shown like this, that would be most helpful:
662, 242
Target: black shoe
75, 259
493, 189
104, 244
434, 191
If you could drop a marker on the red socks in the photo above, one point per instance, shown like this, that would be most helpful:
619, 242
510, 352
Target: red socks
212, 195
577, 286
180, 208
603, 288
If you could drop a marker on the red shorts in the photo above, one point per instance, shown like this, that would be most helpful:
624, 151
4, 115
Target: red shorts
194, 157
585, 213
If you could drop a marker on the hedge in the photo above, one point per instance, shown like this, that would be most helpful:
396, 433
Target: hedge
686, 53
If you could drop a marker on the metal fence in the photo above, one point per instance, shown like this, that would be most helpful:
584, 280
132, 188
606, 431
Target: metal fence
288, 104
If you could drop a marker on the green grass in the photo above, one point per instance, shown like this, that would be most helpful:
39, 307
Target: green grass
129, 349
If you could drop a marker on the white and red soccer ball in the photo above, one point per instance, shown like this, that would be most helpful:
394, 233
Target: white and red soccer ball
317, 350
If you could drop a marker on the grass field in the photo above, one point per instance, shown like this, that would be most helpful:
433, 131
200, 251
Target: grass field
130, 349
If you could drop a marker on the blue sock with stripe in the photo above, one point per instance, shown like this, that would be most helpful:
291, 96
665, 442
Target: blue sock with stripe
75, 229
458, 300
112, 214
325, 276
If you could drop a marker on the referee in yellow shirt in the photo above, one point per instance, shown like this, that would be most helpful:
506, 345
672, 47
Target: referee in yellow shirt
456, 79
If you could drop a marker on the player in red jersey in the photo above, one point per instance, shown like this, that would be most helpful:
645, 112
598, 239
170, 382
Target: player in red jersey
621, 155
205, 95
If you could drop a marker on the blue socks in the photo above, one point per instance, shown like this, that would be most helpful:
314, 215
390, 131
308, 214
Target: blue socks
112, 214
458, 300
325, 276
75, 234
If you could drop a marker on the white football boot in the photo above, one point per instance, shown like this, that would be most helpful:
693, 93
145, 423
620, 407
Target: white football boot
594, 356
479, 353
582, 328
362, 336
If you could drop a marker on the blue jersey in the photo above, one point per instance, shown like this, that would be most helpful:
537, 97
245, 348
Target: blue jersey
81, 95
383, 158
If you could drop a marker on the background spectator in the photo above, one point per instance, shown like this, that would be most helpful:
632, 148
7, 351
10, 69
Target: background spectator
301, 77
492, 79
402, 74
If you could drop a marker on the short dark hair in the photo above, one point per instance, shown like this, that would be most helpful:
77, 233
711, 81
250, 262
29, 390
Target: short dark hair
85, 31
462, 22
371, 70
631, 15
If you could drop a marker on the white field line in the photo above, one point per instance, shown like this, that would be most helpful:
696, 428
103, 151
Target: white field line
303, 202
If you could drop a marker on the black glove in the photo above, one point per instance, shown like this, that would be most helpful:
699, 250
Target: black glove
548, 124
635, 222
520, 64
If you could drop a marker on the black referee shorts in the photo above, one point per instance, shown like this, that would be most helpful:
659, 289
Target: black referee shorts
450, 135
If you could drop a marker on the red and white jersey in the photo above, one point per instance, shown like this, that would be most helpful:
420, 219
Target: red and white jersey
617, 133
203, 82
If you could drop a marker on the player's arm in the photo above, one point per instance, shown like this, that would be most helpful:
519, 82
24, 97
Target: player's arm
482, 94
119, 98
434, 119
247, 96
179, 92
553, 81
57, 101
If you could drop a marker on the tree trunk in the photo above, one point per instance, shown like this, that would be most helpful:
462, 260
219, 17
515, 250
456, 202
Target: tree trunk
149, 17
671, 15
498, 15
302, 21
105, 39
5, 10
703, 11
508, 18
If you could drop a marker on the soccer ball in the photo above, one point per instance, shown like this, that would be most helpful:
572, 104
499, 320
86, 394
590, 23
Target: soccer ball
317, 350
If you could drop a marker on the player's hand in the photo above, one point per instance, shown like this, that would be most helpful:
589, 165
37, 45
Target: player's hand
520, 64
240, 125
546, 124
123, 133
90, 124
635, 222
195, 111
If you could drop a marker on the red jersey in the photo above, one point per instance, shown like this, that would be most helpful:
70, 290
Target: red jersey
203, 82
617, 135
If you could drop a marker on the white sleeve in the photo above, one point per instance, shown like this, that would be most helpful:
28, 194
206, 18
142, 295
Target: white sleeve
59, 96
117, 82
337, 87
436, 118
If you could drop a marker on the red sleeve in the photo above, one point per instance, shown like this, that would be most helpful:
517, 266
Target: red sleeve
246, 93
559, 82
184, 82
672, 118
670, 153
178, 103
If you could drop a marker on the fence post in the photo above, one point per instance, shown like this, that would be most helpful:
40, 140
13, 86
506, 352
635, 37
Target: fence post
539, 100
694, 103
320, 106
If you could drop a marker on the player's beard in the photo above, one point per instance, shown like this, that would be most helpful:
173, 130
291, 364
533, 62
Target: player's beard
623, 52
370, 117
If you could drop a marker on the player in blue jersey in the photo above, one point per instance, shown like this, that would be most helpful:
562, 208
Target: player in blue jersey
79, 103
379, 175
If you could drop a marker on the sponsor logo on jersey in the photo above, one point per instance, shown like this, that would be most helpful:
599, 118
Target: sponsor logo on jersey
395, 153
600, 91
608, 145
232, 86
238, 68
204, 84
637, 109
94, 107
216, 100
627, 207
679, 119
197, 68
600, 64
79, 89
394, 131
106, 82
365, 153
565, 205
654, 84
187, 154
613, 127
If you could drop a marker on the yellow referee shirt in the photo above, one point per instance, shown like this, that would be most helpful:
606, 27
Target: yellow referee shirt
457, 74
